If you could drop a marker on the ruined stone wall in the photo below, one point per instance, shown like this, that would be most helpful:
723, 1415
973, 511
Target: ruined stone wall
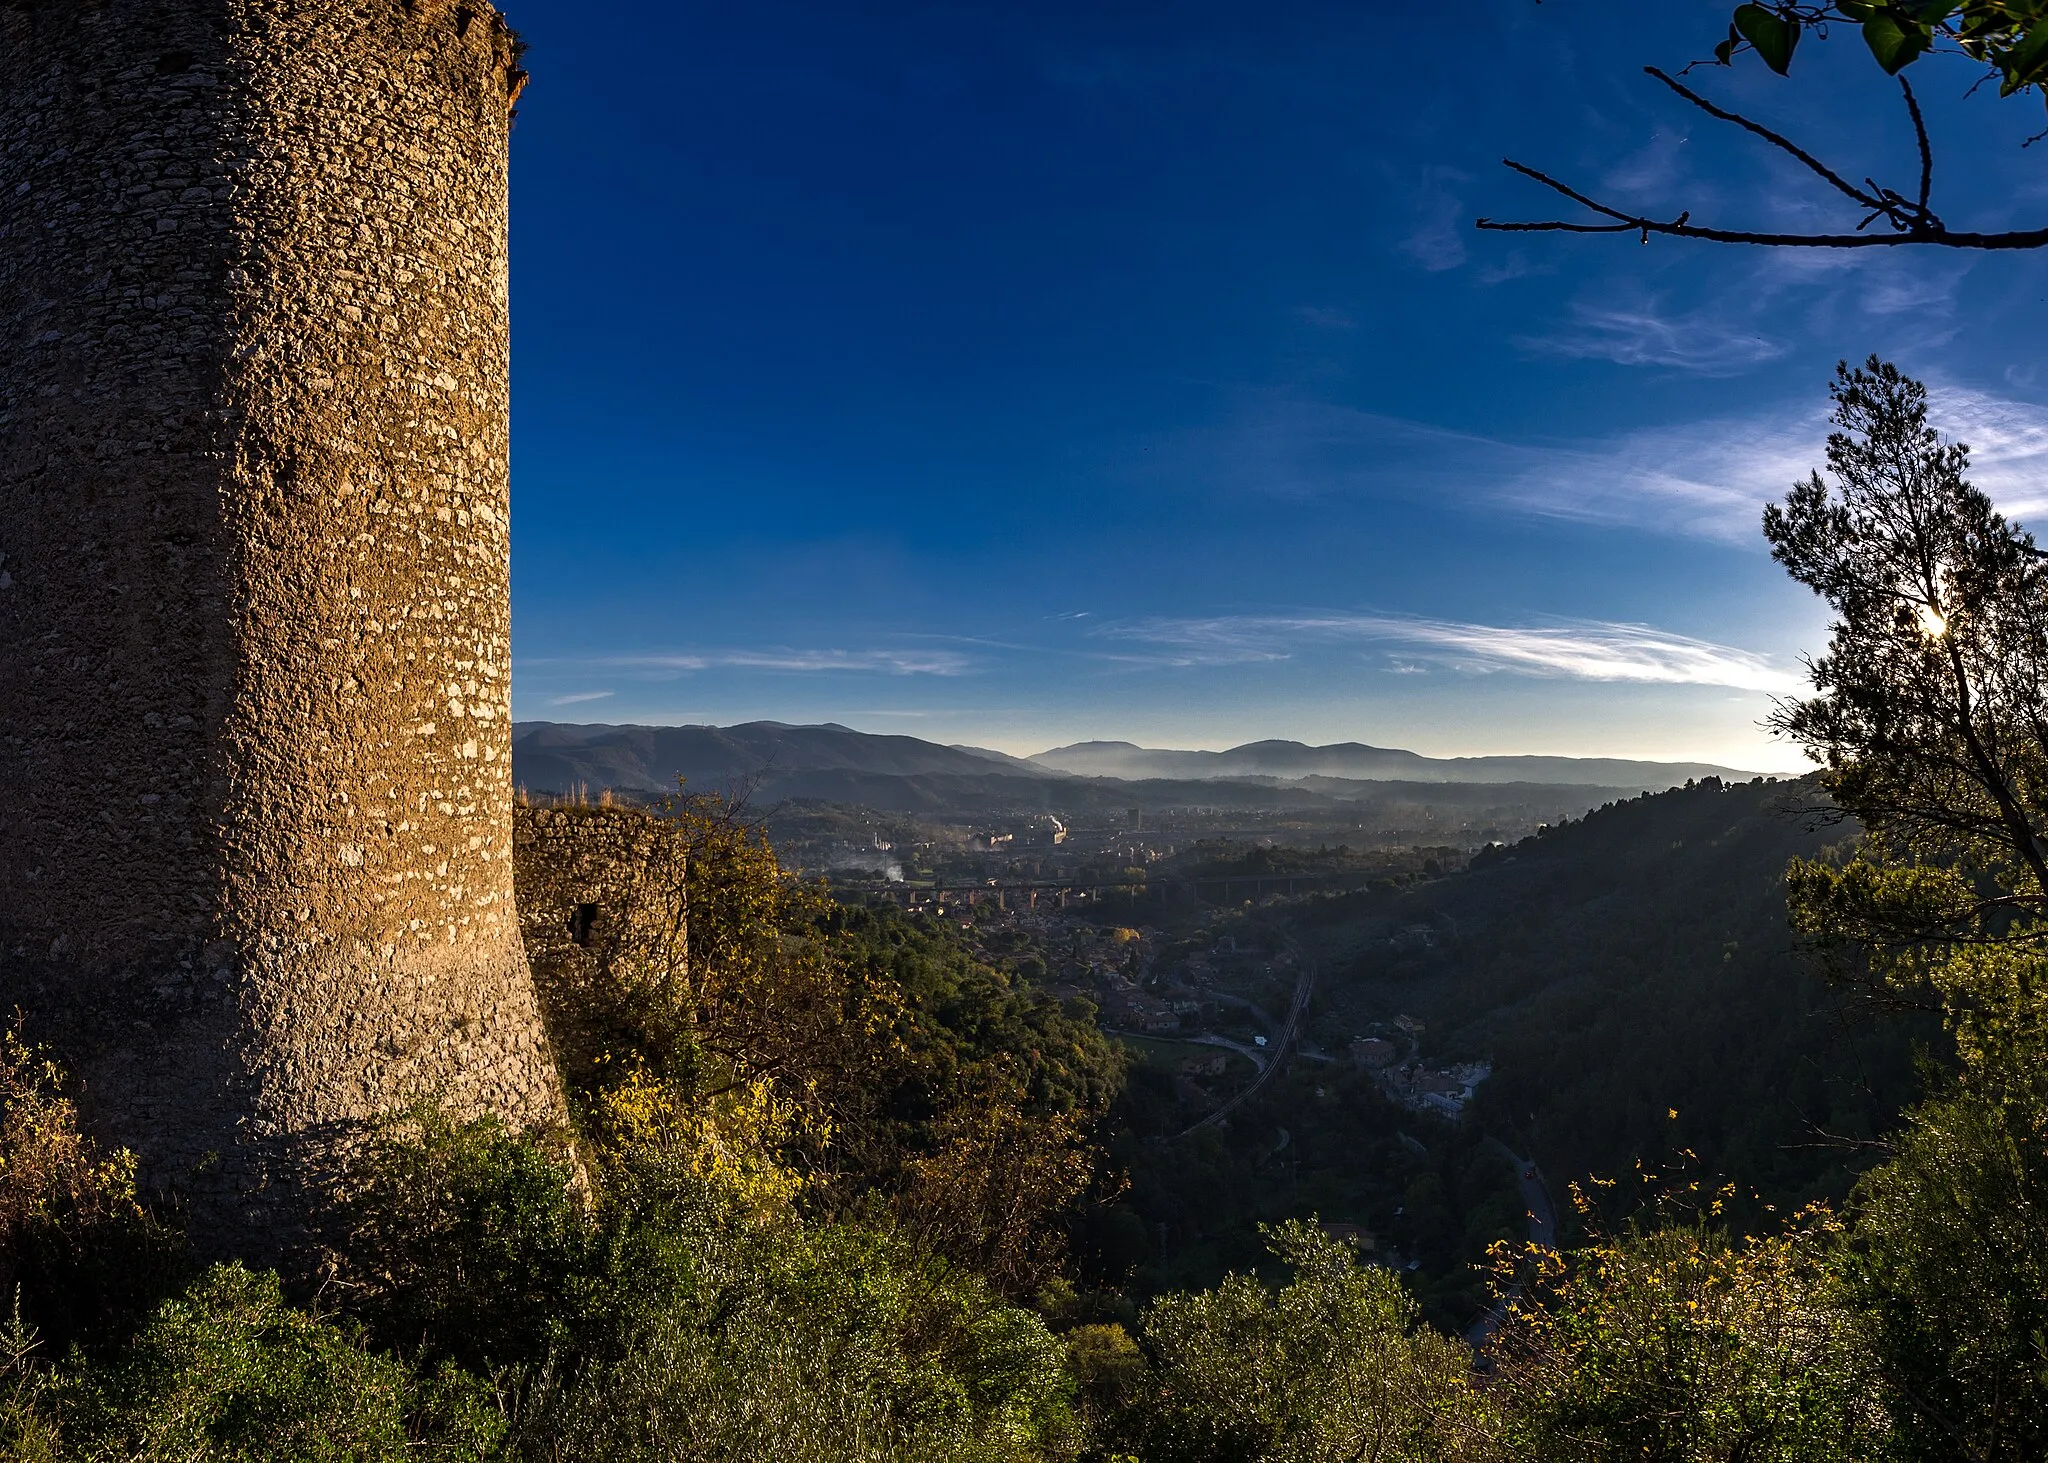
255, 788
604, 908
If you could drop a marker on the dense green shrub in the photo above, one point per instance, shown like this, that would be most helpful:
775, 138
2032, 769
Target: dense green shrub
671, 1318
838, 1344
1951, 1269
1676, 1341
467, 1242
229, 1372
1332, 1366
1949, 1261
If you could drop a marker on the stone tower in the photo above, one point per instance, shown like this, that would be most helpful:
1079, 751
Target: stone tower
255, 781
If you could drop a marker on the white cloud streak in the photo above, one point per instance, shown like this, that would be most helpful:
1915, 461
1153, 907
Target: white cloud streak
1711, 479
1437, 242
1325, 317
1703, 342
2008, 444
1757, 313
1652, 174
579, 697
1705, 479
1581, 650
793, 661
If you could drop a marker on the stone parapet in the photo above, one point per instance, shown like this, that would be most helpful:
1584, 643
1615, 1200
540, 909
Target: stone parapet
604, 909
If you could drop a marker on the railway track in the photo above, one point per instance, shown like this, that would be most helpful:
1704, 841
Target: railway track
1304, 984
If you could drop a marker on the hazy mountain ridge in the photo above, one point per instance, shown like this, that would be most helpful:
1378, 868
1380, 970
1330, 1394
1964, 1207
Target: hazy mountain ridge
834, 763
1354, 761
555, 756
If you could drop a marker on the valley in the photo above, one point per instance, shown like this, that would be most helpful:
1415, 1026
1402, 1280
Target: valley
1598, 979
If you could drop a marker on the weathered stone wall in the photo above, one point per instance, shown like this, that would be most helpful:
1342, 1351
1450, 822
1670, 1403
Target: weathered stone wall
603, 906
255, 789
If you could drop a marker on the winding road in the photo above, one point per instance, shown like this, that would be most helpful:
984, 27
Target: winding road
1289, 1030
1542, 1231
1536, 1202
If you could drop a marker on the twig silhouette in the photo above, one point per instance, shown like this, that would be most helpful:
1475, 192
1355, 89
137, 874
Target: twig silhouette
1911, 220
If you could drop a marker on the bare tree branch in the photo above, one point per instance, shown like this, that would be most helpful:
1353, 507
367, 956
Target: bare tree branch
1912, 221
1681, 228
1628, 222
1785, 144
1926, 149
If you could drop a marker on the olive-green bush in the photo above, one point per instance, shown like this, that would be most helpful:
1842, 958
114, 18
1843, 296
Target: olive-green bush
231, 1373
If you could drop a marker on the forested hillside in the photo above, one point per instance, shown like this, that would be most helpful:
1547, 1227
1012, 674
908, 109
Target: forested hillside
1634, 963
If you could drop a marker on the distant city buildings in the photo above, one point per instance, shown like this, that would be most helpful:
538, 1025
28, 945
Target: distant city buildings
1403, 1077
1374, 1051
1359, 1238
1136, 1011
1443, 1091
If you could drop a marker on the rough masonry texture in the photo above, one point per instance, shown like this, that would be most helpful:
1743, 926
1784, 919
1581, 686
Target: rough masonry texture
255, 780
604, 907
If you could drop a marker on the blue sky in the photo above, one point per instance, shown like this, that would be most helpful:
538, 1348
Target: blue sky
1018, 375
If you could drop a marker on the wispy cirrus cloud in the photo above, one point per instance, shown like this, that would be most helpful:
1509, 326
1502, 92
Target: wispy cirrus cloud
1705, 342
1436, 241
795, 661
1761, 312
1582, 650
1653, 173
1701, 480
1710, 479
1515, 265
1325, 317
1705, 479
2008, 444
579, 697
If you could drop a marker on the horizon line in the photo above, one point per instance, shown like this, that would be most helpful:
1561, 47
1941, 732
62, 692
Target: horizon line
1665, 759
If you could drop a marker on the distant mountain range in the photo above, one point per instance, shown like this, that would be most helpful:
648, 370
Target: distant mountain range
837, 764
1355, 761
555, 756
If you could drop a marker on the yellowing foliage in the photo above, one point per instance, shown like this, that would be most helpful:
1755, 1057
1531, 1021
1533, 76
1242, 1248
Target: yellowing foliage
48, 1169
789, 1049
732, 1140
1684, 1342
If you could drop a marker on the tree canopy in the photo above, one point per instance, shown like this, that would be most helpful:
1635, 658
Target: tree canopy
1928, 713
1928, 719
2008, 36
